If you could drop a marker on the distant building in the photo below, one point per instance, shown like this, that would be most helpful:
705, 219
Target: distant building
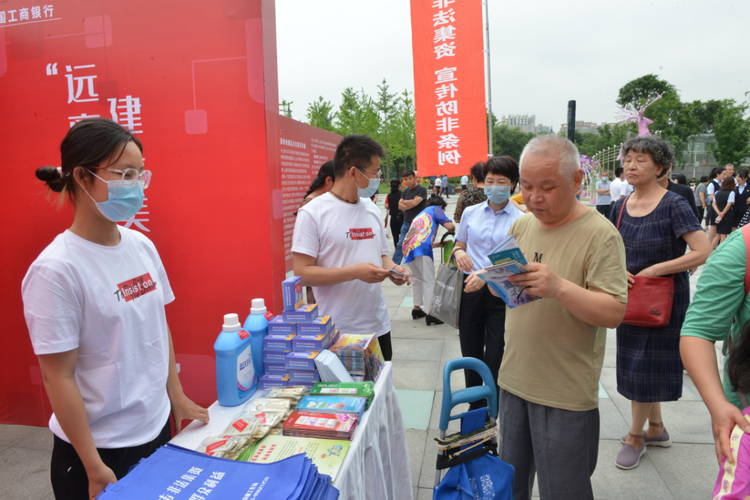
525, 123
582, 126
543, 129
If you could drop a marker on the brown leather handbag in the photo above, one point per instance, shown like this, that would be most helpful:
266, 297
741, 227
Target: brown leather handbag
651, 298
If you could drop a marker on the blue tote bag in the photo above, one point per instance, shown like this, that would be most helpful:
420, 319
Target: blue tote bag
484, 478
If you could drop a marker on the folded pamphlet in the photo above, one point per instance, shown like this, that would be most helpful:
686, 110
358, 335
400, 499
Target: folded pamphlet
507, 260
326, 454
407, 275
320, 425
332, 404
346, 389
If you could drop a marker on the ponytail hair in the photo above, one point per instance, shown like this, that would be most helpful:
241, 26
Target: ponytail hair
738, 361
436, 200
88, 143
326, 171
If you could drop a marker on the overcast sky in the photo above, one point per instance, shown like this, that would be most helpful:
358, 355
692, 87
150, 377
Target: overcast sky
544, 52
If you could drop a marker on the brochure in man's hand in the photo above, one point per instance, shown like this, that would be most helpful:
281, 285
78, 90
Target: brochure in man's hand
508, 260
407, 275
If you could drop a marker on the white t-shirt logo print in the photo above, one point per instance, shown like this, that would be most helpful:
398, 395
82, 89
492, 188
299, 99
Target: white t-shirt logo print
364, 233
135, 288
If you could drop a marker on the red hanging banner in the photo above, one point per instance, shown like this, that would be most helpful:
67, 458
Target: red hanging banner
449, 93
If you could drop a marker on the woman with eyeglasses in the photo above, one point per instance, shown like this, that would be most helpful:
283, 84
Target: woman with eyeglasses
94, 305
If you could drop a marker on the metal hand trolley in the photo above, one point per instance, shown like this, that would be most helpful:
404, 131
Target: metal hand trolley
475, 471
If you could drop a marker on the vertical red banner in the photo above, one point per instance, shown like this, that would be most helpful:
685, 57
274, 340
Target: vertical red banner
449, 93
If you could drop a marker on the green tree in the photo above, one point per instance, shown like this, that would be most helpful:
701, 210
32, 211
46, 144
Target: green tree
672, 120
509, 141
403, 142
732, 132
387, 106
357, 114
286, 108
320, 114
588, 143
612, 136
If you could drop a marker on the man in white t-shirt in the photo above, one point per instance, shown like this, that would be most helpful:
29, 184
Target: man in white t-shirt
464, 182
617, 182
438, 184
340, 248
619, 188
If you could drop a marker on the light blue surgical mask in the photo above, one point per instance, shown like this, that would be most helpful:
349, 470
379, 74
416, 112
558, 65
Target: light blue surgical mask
371, 188
605, 178
123, 201
497, 194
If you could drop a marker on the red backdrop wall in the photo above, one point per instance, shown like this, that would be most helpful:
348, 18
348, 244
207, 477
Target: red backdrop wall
197, 81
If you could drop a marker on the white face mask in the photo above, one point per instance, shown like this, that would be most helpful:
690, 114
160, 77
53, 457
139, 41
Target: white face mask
371, 188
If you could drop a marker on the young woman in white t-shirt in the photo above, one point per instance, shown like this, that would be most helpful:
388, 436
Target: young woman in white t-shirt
94, 305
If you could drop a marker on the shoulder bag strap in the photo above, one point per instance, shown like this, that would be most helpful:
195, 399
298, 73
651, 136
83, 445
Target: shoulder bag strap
746, 237
622, 209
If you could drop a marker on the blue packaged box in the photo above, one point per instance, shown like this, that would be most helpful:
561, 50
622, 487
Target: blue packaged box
304, 314
274, 356
310, 342
270, 380
300, 360
291, 288
303, 376
277, 368
277, 342
318, 326
277, 326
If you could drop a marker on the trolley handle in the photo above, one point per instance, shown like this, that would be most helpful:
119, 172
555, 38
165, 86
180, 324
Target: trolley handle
469, 395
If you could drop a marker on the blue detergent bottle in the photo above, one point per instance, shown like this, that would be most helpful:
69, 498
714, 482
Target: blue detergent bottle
256, 325
235, 374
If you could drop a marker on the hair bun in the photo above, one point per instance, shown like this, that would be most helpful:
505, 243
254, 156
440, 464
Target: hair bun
51, 176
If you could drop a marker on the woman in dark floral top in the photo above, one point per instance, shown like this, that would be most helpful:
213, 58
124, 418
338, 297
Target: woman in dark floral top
474, 195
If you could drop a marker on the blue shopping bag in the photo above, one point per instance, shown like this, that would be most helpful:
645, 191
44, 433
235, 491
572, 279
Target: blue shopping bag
484, 478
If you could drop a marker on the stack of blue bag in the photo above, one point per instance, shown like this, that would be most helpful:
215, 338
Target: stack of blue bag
175, 472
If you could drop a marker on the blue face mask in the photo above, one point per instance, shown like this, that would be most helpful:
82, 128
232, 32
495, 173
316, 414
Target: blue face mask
122, 203
497, 194
371, 188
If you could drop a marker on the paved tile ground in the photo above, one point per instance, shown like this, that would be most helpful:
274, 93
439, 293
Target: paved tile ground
685, 471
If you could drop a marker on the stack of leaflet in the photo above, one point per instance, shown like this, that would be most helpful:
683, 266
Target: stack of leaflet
350, 349
174, 472
364, 390
320, 425
361, 356
330, 368
507, 260
332, 404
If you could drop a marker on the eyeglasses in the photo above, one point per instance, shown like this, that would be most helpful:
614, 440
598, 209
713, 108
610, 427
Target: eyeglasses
131, 177
377, 174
